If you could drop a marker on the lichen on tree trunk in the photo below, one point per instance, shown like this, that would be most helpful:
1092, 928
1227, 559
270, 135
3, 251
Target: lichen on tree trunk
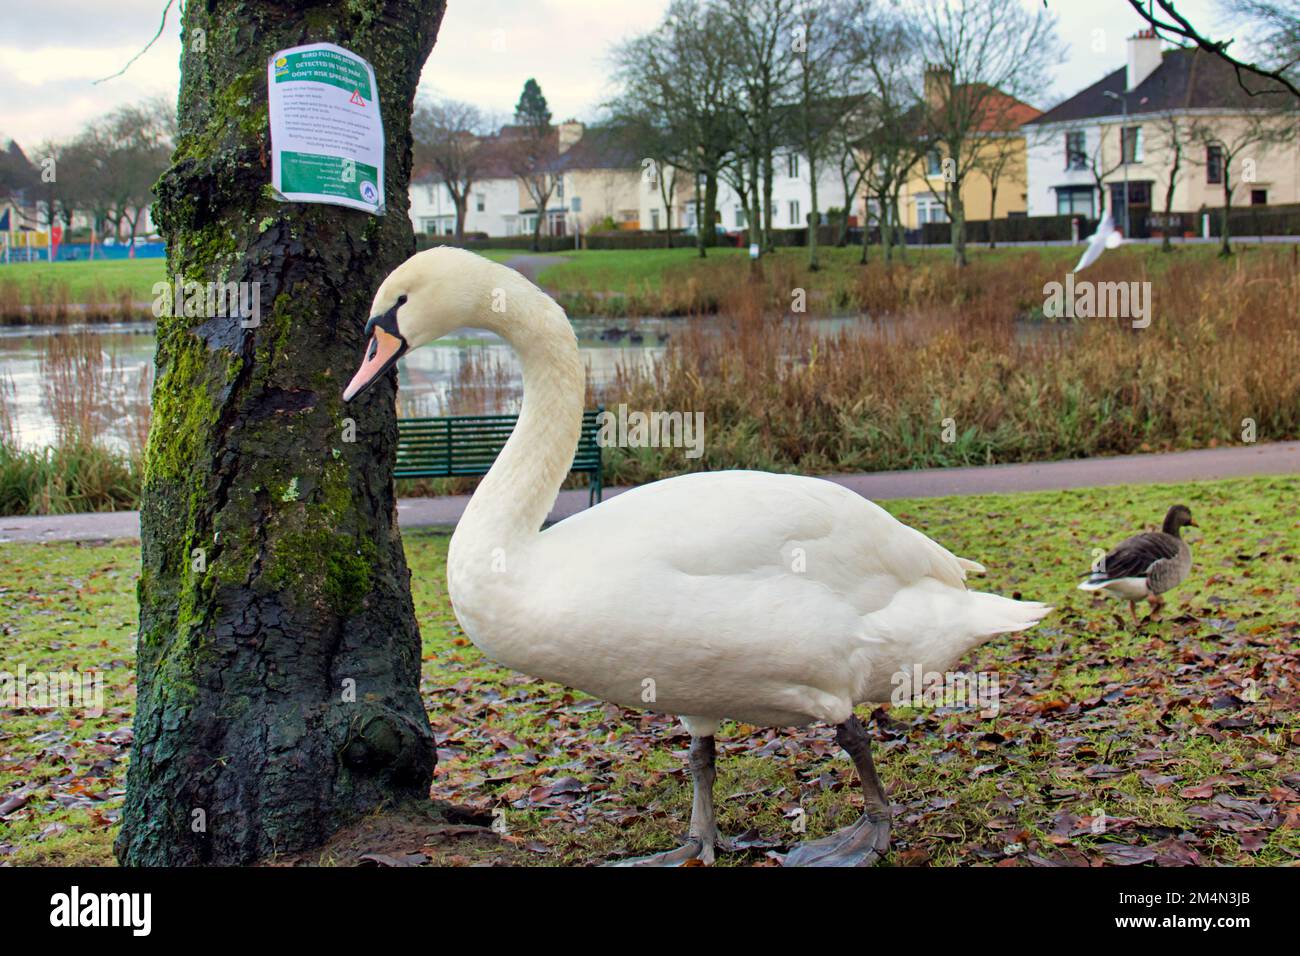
279, 657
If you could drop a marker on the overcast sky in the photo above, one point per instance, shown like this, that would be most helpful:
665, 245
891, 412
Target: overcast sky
51, 51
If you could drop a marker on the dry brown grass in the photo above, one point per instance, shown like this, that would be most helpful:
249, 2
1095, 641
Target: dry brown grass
1223, 346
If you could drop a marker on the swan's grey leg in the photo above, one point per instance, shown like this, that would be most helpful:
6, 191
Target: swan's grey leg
704, 836
863, 843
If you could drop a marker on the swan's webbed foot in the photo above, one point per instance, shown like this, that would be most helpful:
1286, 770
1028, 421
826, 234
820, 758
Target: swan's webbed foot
704, 838
866, 841
694, 849
861, 844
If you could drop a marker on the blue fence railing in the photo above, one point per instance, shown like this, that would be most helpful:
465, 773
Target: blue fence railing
81, 251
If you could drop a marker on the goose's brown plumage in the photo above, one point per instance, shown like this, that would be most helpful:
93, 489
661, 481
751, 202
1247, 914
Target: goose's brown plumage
1146, 565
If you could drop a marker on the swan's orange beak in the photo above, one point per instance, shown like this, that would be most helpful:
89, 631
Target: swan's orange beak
383, 352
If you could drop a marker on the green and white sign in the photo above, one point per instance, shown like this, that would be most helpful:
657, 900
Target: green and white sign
327, 138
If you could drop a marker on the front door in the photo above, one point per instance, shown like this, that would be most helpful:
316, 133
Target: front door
1138, 203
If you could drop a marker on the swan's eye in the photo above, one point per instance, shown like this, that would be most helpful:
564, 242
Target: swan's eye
401, 300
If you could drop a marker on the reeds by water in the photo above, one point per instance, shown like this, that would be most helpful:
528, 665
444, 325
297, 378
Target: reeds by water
953, 375
88, 394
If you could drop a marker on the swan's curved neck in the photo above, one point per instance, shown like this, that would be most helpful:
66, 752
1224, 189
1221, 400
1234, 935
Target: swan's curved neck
515, 496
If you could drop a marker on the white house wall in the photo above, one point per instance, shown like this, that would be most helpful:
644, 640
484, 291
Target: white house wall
433, 211
785, 189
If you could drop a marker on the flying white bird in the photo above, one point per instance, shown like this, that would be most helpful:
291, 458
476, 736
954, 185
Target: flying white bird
1106, 237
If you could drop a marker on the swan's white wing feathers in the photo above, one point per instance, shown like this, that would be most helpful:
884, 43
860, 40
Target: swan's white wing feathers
810, 526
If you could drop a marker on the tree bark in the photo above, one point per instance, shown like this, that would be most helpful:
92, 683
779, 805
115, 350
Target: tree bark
273, 580
814, 219
958, 228
1225, 246
711, 206
993, 213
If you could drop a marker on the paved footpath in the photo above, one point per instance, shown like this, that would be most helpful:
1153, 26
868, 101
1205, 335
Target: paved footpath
1279, 458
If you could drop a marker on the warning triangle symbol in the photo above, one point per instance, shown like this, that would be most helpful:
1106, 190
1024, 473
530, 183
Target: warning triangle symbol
356, 99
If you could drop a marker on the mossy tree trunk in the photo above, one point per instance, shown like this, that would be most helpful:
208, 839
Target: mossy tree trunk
279, 657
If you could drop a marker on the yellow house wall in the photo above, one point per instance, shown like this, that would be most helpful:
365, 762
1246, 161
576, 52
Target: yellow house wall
977, 191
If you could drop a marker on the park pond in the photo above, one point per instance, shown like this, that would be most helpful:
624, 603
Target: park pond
51, 374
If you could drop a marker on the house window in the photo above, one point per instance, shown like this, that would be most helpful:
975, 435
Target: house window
1074, 201
654, 218
1076, 150
794, 165
429, 226
559, 189
933, 164
480, 202
1214, 164
1259, 197
576, 204
740, 217
929, 209
794, 212
1131, 144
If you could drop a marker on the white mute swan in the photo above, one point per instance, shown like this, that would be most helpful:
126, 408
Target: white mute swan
769, 599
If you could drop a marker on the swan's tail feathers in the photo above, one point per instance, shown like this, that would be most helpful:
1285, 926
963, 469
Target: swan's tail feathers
971, 567
995, 614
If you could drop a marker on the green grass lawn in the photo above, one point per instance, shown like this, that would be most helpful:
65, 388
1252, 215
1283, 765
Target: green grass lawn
1182, 731
624, 271
86, 280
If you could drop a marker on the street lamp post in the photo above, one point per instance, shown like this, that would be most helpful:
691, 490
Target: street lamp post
1123, 102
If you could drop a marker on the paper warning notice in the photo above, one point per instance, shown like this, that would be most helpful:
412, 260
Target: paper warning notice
327, 138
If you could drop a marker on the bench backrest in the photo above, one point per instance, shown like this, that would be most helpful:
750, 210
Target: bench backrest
469, 444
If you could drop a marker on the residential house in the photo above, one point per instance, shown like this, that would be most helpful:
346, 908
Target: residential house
1000, 156
791, 197
492, 208
1123, 134
599, 179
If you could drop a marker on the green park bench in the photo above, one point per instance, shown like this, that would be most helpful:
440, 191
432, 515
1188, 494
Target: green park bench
468, 444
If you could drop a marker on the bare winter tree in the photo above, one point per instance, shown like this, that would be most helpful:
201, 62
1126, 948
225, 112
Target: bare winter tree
674, 85
1171, 131
761, 53
1002, 157
829, 85
1234, 146
889, 129
984, 55
531, 150
451, 139
1274, 26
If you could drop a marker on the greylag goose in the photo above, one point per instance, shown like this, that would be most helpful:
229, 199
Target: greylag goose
1146, 565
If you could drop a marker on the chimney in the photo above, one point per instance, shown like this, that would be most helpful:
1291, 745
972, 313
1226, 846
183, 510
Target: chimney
937, 83
1143, 57
570, 132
